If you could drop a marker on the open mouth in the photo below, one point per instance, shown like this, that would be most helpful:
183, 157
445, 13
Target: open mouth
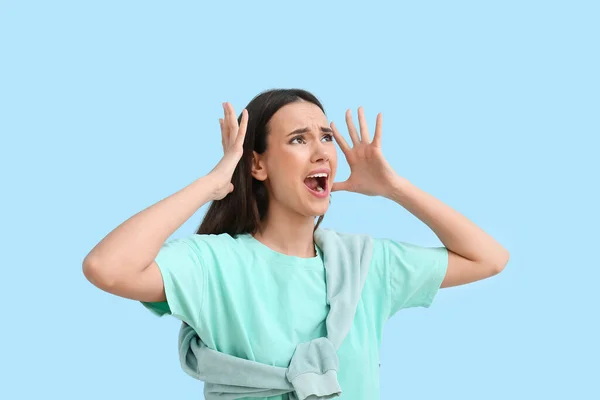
317, 182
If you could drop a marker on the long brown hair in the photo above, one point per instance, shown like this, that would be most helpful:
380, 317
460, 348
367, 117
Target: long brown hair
242, 210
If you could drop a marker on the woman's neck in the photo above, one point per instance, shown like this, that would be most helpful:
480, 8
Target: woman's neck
288, 233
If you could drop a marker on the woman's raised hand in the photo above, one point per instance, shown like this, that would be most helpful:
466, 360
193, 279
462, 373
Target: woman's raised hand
232, 139
370, 173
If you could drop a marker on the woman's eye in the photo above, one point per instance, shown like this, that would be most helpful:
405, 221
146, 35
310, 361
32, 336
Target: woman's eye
297, 139
328, 137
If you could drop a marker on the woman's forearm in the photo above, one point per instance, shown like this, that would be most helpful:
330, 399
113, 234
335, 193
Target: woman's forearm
454, 230
134, 244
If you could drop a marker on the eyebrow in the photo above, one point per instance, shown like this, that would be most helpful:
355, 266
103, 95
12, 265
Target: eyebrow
305, 130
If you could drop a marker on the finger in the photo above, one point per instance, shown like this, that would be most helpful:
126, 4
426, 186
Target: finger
338, 186
364, 128
226, 126
339, 139
241, 134
352, 128
231, 122
223, 135
377, 137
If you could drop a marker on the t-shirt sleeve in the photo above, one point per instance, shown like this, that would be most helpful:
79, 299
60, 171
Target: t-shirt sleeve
184, 279
415, 273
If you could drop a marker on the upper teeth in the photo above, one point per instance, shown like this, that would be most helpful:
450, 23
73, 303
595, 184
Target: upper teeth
319, 175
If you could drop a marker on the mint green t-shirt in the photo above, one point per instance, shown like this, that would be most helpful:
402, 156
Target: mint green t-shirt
249, 301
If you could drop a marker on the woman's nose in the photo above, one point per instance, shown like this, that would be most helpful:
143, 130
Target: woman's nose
320, 153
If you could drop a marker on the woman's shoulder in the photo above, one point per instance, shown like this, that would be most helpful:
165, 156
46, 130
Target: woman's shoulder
377, 240
376, 245
341, 233
209, 250
214, 241
346, 237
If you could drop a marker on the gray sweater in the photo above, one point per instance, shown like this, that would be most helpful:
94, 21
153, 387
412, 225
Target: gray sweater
312, 372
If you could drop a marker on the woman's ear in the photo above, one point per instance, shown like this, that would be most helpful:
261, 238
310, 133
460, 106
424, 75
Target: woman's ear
259, 171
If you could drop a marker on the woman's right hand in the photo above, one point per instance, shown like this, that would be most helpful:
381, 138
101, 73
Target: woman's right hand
232, 139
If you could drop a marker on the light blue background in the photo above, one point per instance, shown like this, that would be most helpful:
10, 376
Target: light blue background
106, 107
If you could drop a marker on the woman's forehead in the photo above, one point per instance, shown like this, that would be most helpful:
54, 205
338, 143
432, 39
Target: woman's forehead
298, 115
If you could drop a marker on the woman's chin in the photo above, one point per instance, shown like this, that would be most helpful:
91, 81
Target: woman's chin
314, 206
319, 210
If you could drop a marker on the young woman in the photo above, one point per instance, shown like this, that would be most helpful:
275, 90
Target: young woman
251, 282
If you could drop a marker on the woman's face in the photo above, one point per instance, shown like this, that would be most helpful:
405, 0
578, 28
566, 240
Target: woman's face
300, 144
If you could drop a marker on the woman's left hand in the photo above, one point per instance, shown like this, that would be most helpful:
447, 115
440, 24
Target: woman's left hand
370, 173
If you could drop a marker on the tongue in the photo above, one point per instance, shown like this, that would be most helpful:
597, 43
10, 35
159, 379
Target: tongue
312, 183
